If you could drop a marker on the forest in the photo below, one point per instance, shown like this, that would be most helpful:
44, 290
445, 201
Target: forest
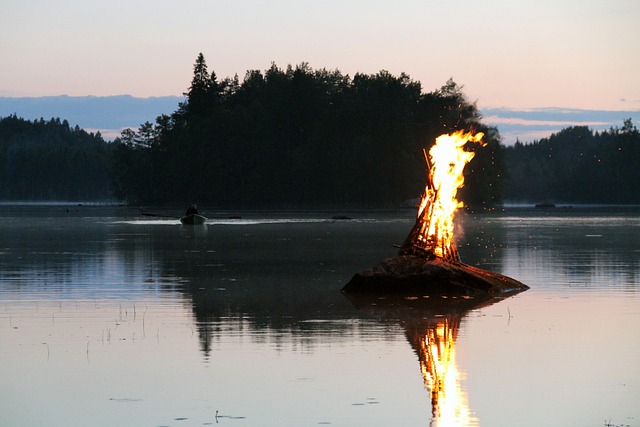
576, 165
299, 137
49, 160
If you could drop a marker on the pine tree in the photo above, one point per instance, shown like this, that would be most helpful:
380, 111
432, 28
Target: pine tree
200, 91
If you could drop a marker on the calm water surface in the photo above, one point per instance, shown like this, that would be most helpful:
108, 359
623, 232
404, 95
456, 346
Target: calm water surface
108, 318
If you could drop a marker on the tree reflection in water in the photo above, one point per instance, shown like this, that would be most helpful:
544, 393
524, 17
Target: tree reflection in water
431, 326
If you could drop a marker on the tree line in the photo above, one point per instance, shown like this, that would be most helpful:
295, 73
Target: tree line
299, 137
49, 160
577, 165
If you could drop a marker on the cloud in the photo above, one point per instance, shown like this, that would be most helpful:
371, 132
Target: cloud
496, 120
109, 134
528, 125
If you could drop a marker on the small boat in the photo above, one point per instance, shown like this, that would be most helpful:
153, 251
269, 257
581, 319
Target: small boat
193, 219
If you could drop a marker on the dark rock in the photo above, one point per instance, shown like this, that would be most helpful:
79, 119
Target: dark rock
410, 274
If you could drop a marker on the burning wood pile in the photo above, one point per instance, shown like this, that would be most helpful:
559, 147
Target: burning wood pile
429, 261
432, 235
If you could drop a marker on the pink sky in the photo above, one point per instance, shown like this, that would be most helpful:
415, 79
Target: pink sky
527, 54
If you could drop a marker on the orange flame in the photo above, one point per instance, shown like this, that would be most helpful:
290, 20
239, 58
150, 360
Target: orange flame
446, 161
437, 354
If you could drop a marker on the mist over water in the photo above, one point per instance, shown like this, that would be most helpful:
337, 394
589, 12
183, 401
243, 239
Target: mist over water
110, 318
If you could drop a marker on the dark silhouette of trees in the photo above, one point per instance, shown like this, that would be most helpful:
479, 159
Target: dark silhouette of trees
299, 137
577, 165
49, 160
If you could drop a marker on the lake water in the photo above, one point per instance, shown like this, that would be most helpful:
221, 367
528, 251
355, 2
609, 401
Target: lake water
108, 318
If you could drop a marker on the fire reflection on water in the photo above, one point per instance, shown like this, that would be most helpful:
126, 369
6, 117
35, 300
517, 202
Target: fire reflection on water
435, 344
431, 327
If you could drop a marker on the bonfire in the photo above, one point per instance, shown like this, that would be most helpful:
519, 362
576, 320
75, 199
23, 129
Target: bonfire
429, 261
432, 235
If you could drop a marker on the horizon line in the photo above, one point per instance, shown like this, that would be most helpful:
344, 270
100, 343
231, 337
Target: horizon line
555, 109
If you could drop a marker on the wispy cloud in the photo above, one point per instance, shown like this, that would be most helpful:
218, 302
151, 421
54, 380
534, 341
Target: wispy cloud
109, 134
497, 120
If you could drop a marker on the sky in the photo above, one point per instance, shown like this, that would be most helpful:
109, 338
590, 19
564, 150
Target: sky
529, 54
